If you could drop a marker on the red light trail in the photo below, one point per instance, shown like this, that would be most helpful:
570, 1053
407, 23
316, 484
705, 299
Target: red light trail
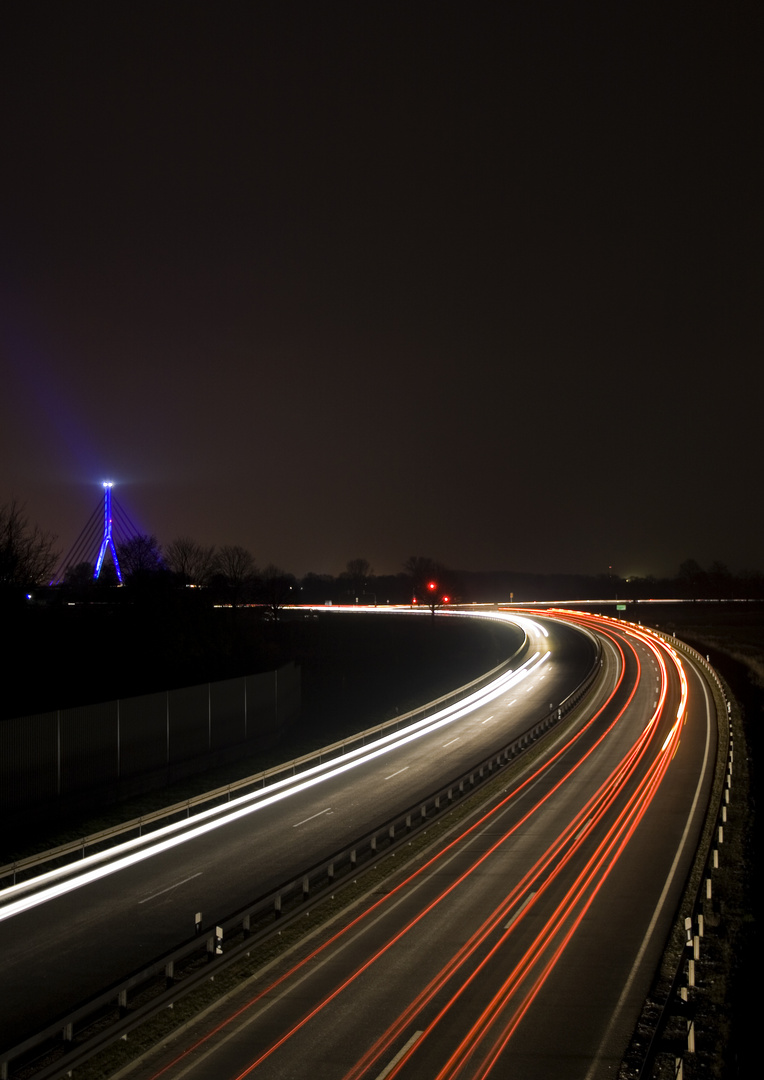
607, 819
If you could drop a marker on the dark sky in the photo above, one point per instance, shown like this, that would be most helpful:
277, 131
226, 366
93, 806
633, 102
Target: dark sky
474, 281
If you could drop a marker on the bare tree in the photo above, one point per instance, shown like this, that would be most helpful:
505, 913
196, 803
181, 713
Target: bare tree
357, 573
429, 581
278, 589
237, 567
360, 569
192, 562
27, 554
140, 556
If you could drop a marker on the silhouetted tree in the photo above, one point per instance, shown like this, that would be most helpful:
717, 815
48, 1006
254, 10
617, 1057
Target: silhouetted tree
237, 568
430, 581
27, 553
277, 589
358, 574
140, 557
193, 563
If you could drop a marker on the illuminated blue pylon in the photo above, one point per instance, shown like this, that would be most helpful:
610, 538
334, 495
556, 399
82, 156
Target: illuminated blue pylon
107, 543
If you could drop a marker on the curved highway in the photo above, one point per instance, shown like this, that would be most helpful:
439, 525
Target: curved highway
68, 935
526, 943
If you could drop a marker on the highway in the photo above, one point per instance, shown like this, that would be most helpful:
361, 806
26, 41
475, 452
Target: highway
525, 943
70, 934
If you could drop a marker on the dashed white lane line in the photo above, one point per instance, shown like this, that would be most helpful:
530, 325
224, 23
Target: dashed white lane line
404, 1049
169, 888
519, 911
312, 816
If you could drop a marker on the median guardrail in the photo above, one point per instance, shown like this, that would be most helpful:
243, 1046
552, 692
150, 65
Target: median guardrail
73, 1039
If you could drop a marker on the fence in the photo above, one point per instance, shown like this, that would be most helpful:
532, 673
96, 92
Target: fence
119, 747
73, 1039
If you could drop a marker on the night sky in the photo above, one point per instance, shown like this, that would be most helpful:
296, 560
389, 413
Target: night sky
481, 281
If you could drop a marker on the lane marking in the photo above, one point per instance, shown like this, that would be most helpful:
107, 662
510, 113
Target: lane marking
520, 910
169, 888
583, 829
487, 719
403, 1050
264, 1005
55, 883
596, 1061
450, 743
312, 816
392, 774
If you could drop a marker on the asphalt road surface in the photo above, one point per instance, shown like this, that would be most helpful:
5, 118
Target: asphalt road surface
525, 944
68, 937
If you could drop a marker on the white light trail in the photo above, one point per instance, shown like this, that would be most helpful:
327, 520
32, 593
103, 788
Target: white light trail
55, 883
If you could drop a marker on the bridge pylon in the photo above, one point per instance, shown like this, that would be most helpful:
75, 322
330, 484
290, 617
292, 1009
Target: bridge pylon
107, 542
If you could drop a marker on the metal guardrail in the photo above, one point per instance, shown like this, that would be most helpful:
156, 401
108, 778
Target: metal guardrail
671, 1004
76, 850
73, 1039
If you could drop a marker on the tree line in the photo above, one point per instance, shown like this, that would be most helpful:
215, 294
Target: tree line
228, 575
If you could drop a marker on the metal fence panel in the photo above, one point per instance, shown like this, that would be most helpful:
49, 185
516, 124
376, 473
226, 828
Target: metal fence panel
261, 704
189, 712
49, 755
227, 710
28, 760
88, 746
287, 694
143, 734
